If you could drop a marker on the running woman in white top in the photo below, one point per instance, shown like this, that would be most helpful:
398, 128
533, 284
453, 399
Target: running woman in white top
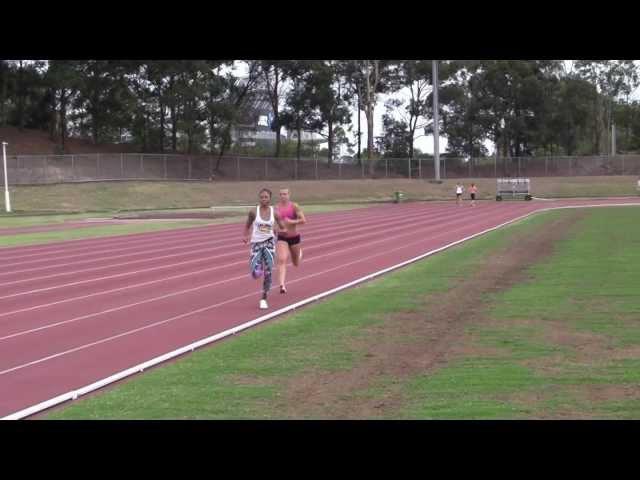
262, 239
459, 190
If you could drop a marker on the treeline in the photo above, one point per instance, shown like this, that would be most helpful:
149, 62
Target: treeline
536, 107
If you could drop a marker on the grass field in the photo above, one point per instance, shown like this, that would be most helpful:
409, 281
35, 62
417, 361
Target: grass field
117, 196
537, 320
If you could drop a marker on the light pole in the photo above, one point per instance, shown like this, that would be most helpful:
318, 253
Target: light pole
613, 139
7, 200
436, 129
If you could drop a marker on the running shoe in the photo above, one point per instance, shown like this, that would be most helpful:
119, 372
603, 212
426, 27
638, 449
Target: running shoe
263, 304
283, 289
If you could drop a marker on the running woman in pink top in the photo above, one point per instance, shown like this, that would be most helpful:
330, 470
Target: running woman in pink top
473, 190
289, 239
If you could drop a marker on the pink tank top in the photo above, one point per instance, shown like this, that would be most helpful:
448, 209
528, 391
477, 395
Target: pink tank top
286, 212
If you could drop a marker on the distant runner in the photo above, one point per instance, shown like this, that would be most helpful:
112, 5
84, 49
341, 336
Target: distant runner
472, 191
459, 191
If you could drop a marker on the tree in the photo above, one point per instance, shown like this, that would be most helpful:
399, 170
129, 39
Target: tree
273, 78
229, 100
613, 79
413, 78
396, 140
332, 96
299, 113
374, 75
103, 97
62, 77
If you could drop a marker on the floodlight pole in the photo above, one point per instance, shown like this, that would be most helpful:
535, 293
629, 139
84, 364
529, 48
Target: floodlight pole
7, 200
436, 130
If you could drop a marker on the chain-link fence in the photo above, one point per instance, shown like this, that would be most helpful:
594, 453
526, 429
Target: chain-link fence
42, 169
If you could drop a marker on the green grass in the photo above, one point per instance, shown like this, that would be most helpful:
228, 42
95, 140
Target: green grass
16, 221
128, 195
590, 285
90, 232
217, 382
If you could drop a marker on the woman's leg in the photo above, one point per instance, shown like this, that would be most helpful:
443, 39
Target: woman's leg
282, 254
296, 252
255, 260
268, 252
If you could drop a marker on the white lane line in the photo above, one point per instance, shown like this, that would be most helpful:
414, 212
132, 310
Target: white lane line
142, 248
397, 225
332, 253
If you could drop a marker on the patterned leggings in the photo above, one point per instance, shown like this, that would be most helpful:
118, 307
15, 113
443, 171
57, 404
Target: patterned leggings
263, 253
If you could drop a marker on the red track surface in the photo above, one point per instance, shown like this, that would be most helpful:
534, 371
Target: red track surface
75, 312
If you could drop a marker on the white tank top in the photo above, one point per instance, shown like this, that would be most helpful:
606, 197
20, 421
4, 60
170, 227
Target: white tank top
262, 229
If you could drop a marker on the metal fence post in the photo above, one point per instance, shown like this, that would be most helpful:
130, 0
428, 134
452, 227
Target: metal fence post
545, 165
237, 168
316, 167
189, 168
142, 165
44, 171
164, 162
409, 165
622, 164
339, 170
444, 167
420, 168
210, 166
495, 165
570, 167
518, 166
362, 169
98, 165
386, 168
122, 165
73, 167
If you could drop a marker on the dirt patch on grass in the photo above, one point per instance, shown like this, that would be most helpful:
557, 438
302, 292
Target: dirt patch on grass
417, 342
574, 402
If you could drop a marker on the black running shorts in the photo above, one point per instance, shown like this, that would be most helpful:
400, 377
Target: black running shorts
290, 240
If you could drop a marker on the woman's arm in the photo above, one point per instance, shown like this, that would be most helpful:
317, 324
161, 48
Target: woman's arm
301, 219
278, 220
247, 227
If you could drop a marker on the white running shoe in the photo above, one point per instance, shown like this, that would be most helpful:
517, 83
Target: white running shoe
263, 304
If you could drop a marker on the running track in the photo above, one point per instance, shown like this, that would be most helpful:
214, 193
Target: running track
73, 313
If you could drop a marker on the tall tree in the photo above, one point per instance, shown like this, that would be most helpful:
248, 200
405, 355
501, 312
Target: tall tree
229, 101
332, 97
374, 75
613, 79
62, 77
275, 87
299, 114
